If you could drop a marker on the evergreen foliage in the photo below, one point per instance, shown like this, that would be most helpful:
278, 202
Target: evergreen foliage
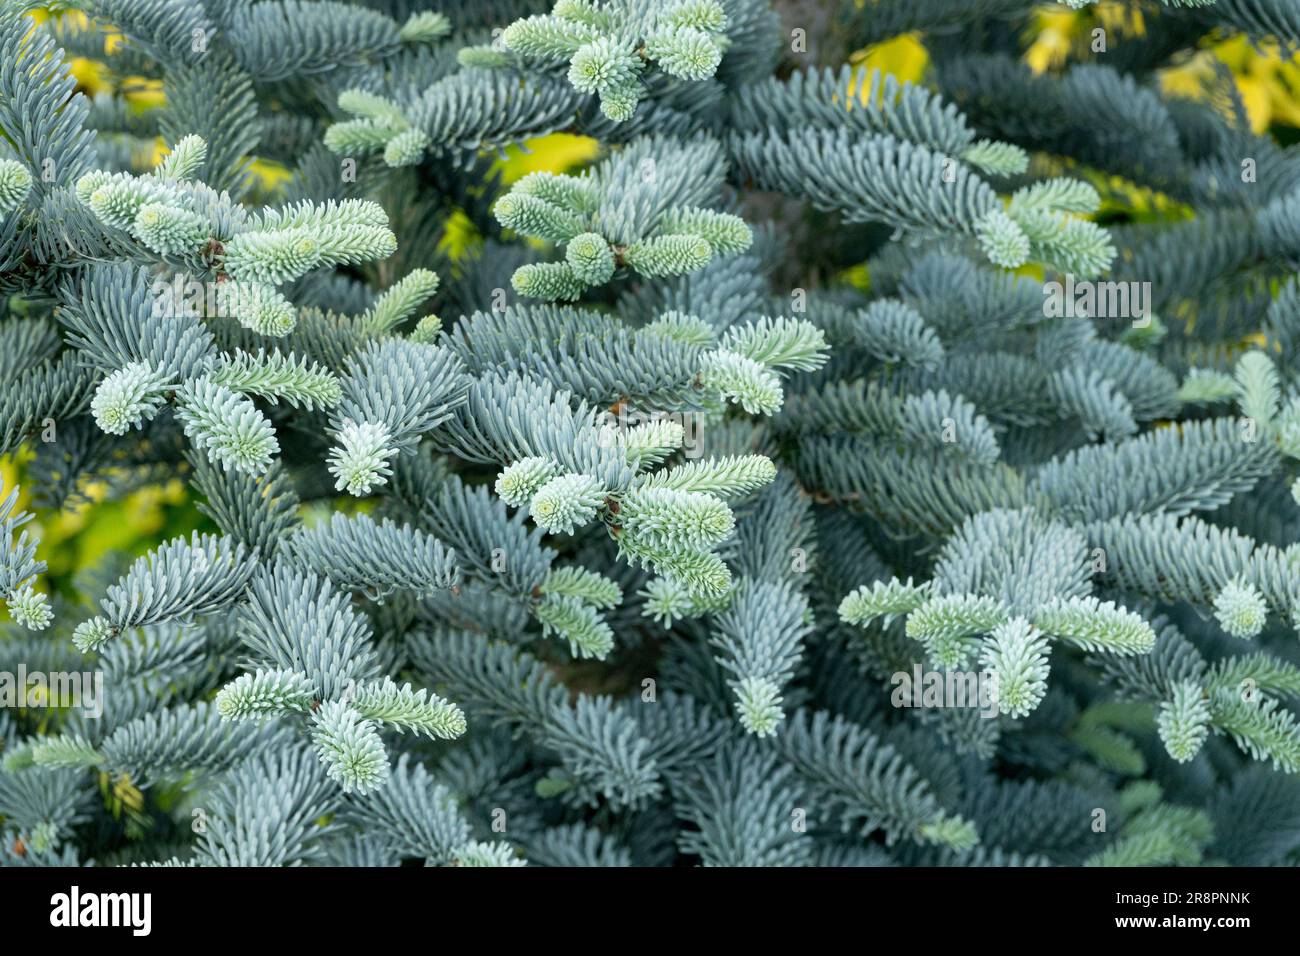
609, 516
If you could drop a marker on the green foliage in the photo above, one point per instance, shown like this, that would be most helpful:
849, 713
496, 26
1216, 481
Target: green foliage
815, 468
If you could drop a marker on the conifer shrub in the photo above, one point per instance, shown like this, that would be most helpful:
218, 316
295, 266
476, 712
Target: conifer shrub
827, 470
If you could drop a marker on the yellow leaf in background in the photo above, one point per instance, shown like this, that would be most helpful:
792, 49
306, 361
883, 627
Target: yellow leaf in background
1235, 52
1286, 109
1054, 39
271, 175
70, 521
175, 492
903, 56
160, 150
8, 473
1258, 102
551, 154
858, 276
1280, 82
90, 75
1185, 81
143, 93
1120, 18
458, 235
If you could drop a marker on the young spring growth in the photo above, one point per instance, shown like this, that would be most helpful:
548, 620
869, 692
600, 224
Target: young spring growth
1204, 386
727, 477
481, 853
574, 212
406, 148
555, 37
1258, 390
604, 65
426, 330
650, 443
159, 208
1184, 721
288, 243
265, 694
30, 608
1095, 626
185, 159
518, 482
996, 158
407, 387
661, 256
269, 258
1016, 654
360, 460
572, 598
706, 15
127, 398
425, 27
66, 751
685, 52
1046, 214
702, 574
416, 711
93, 634
399, 302
377, 123
682, 327
278, 376
954, 832
742, 369
727, 235
370, 106
116, 199
948, 625
758, 704
658, 519
566, 503
578, 194
1287, 429
15, 183
1240, 609
610, 68
609, 46
590, 258
886, 600
779, 343
534, 216
548, 281
667, 599
350, 748
1004, 242
577, 622
226, 426
587, 586
90, 183
742, 380
168, 230
261, 308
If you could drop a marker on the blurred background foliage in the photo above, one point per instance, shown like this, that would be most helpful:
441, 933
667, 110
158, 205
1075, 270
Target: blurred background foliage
119, 521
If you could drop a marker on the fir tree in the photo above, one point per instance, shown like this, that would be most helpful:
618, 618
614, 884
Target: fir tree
598, 517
